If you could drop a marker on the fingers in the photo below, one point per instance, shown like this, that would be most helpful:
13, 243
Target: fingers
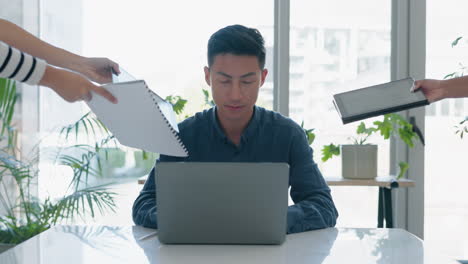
114, 66
87, 97
416, 86
104, 93
99, 69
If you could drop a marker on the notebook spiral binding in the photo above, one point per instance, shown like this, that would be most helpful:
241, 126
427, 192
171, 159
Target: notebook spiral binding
165, 119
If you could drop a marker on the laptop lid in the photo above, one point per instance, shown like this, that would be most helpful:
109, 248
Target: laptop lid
222, 203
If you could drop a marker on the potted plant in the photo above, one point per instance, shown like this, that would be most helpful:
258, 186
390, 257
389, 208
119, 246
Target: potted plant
462, 127
24, 215
359, 159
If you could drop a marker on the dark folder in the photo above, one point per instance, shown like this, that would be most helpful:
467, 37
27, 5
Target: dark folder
378, 100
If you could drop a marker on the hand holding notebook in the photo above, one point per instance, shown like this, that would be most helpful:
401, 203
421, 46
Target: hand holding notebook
378, 100
141, 119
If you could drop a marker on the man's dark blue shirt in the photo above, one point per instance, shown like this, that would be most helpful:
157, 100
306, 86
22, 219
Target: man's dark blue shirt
269, 137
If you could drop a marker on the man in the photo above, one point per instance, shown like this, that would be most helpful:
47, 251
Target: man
236, 130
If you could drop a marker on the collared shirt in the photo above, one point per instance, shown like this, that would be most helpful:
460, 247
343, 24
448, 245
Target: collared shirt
269, 137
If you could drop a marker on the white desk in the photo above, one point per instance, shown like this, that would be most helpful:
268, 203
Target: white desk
104, 244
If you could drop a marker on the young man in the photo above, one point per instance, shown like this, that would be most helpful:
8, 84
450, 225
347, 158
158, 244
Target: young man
236, 130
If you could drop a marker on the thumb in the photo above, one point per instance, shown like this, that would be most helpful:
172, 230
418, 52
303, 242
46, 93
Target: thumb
416, 86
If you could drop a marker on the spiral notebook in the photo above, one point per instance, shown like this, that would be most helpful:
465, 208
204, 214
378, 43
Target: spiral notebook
141, 119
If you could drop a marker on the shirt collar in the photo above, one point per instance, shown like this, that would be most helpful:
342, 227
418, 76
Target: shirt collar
249, 131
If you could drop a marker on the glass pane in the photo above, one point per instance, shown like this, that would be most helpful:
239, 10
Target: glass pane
166, 44
446, 206
337, 46
163, 43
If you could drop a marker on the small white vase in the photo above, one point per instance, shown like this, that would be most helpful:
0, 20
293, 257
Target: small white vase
5, 247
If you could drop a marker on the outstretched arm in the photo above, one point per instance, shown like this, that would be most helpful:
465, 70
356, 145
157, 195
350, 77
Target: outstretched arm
96, 69
436, 90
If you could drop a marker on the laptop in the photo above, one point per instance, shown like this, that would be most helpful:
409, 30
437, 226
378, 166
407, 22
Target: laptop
222, 202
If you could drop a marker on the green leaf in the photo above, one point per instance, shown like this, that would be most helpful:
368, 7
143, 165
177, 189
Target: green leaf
208, 102
177, 102
361, 128
206, 93
403, 168
8, 98
310, 135
328, 151
385, 127
455, 42
89, 123
450, 75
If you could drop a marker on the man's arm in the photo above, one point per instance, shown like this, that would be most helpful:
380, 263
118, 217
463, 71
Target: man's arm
314, 207
144, 211
144, 207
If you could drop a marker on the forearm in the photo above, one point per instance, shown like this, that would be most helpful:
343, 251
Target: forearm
456, 87
316, 212
20, 66
144, 212
26, 42
313, 205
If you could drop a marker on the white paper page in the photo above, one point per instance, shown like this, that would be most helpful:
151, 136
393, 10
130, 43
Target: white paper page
136, 120
165, 107
124, 76
167, 110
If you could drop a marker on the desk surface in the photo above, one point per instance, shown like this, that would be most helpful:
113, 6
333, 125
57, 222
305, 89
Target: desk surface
106, 244
383, 181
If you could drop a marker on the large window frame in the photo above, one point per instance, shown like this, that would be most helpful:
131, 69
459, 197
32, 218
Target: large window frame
407, 59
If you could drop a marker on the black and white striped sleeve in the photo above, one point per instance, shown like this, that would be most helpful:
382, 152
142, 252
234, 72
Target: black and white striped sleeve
20, 66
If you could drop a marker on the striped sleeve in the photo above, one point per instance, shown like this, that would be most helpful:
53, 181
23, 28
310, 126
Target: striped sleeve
20, 66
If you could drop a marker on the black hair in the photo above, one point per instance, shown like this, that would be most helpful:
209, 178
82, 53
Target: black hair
237, 40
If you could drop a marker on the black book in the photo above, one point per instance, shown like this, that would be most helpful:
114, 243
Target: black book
378, 100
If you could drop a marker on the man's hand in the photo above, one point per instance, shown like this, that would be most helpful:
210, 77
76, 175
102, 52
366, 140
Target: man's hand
72, 86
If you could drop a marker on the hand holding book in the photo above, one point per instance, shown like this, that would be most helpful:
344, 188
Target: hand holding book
378, 100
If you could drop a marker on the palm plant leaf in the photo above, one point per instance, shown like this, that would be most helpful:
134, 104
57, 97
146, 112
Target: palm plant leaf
8, 99
88, 122
85, 200
37, 216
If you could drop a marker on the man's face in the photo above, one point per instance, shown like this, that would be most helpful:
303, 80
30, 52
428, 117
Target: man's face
235, 82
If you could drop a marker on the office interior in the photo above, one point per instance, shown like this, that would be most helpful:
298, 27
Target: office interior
314, 49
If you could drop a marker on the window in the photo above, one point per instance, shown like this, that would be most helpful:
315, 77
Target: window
166, 44
445, 153
336, 46
162, 42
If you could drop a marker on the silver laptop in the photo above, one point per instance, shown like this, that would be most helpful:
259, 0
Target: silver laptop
222, 202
